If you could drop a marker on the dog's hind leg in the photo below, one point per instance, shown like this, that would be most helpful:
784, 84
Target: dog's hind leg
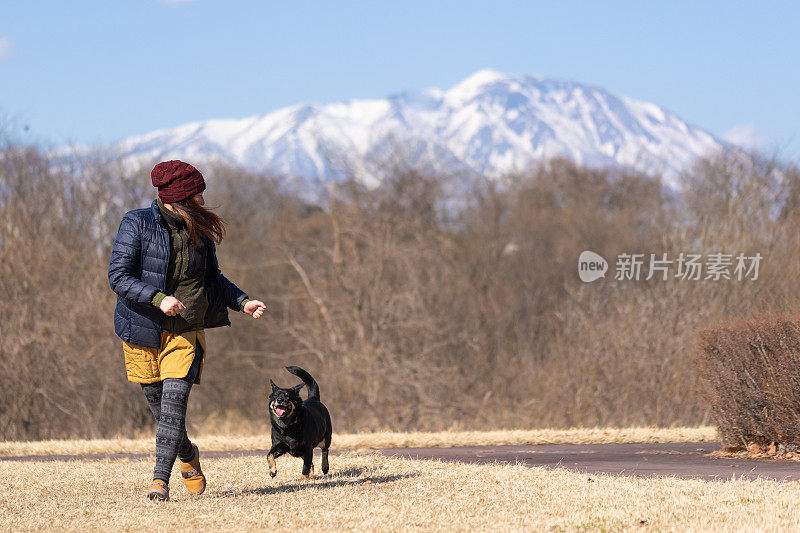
276, 451
326, 444
325, 460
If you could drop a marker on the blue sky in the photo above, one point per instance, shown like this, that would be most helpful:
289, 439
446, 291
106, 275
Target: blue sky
97, 71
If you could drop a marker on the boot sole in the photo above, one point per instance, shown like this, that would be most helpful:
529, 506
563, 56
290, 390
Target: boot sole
157, 496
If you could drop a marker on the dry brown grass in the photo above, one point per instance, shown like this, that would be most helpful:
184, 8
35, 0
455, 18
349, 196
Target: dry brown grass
379, 440
373, 493
756, 451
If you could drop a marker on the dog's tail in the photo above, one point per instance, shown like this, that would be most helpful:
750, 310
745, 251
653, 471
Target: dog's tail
313, 388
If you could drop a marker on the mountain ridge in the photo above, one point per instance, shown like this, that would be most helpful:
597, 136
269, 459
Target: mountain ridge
489, 124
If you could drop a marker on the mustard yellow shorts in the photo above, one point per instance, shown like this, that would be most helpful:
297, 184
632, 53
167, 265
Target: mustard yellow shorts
171, 360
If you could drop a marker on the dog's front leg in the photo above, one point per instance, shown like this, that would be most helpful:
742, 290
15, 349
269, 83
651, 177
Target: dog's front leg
276, 451
308, 464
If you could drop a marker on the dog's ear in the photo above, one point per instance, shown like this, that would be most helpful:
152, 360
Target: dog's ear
274, 387
297, 388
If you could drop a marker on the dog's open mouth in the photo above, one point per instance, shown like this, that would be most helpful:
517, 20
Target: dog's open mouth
281, 410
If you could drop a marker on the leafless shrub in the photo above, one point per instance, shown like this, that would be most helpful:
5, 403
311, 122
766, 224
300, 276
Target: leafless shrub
751, 379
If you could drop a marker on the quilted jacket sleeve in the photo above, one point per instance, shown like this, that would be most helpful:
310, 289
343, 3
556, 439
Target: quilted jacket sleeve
125, 261
233, 295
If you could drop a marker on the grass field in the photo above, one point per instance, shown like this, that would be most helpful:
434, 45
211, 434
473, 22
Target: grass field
370, 492
366, 491
363, 441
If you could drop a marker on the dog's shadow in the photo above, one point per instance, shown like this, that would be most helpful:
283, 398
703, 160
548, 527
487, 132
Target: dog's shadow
349, 476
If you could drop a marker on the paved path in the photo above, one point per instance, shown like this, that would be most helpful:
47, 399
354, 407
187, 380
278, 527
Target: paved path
684, 459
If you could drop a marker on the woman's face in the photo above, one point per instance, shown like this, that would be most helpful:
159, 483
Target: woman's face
199, 199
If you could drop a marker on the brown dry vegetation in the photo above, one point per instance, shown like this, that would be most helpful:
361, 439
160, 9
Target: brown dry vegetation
752, 373
372, 493
412, 311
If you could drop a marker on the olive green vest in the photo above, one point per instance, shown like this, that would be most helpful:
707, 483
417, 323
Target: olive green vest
185, 276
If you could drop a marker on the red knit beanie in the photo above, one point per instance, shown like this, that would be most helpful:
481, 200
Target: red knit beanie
177, 181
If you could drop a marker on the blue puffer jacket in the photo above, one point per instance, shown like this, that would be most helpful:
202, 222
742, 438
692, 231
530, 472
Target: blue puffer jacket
138, 269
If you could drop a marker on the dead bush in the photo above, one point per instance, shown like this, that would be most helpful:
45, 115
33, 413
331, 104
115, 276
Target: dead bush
750, 372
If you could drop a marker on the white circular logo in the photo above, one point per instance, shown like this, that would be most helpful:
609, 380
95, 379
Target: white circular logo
591, 266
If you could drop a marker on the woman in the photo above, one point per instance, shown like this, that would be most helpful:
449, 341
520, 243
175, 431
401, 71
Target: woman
169, 289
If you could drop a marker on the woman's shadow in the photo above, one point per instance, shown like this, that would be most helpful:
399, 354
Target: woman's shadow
348, 476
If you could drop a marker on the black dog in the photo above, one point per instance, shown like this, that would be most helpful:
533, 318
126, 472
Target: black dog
298, 426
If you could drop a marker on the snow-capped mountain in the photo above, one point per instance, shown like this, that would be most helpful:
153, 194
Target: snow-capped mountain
490, 123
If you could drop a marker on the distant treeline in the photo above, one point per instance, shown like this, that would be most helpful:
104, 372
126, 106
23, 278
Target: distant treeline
412, 309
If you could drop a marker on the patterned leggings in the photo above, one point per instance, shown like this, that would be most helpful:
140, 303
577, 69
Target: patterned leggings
168, 400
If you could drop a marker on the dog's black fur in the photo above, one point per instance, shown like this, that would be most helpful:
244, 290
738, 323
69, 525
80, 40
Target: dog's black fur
298, 426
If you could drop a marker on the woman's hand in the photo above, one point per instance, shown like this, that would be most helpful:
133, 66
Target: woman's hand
255, 308
171, 306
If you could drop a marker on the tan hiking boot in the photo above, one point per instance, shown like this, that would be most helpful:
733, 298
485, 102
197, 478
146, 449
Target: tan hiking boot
159, 491
192, 474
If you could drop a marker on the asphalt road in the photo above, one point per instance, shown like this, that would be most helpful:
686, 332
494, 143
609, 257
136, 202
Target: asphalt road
684, 459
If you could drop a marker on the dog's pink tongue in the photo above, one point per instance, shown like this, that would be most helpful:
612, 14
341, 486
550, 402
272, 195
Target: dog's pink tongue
279, 411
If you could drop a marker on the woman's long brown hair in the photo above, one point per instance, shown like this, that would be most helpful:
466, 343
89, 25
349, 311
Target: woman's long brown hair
200, 222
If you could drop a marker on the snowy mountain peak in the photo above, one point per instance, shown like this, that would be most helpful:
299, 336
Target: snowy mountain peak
479, 80
490, 124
